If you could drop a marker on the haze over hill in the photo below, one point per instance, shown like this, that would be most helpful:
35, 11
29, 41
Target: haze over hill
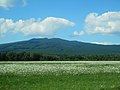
59, 46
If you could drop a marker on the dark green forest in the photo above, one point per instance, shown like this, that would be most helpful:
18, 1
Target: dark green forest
29, 56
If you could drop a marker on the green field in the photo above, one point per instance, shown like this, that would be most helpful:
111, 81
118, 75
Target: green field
60, 75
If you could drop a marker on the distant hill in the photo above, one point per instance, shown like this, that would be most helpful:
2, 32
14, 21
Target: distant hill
59, 46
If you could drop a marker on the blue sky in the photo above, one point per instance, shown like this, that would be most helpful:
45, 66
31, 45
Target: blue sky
95, 21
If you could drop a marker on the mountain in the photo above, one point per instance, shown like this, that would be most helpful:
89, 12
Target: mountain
59, 46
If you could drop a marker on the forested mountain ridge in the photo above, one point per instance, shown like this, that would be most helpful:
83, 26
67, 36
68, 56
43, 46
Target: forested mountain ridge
59, 46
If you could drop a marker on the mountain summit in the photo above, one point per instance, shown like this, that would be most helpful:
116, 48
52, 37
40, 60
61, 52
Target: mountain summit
59, 46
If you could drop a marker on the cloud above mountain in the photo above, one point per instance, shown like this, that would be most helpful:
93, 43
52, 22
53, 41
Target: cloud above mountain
105, 43
76, 33
105, 24
32, 27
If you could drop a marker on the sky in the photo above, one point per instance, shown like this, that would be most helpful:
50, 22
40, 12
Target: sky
92, 21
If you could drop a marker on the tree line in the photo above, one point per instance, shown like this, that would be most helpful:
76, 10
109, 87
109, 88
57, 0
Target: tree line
29, 56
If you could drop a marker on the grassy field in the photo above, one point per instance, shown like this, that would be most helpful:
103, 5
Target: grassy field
60, 75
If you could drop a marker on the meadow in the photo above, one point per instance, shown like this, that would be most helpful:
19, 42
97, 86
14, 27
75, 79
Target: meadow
60, 75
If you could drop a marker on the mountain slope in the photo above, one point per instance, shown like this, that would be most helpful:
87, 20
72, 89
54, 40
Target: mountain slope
59, 46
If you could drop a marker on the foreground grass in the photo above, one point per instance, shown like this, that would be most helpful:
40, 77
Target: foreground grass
106, 81
98, 80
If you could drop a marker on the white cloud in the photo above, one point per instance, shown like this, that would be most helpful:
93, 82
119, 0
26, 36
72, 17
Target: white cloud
105, 43
46, 27
106, 24
76, 33
7, 3
11, 3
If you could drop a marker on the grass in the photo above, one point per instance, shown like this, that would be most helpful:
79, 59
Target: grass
63, 77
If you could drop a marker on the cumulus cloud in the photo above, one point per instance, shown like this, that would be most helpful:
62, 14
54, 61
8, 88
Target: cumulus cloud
76, 33
107, 23
47, 27
7, 3
11, 3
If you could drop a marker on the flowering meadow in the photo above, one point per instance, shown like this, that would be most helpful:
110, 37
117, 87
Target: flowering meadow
57, 75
